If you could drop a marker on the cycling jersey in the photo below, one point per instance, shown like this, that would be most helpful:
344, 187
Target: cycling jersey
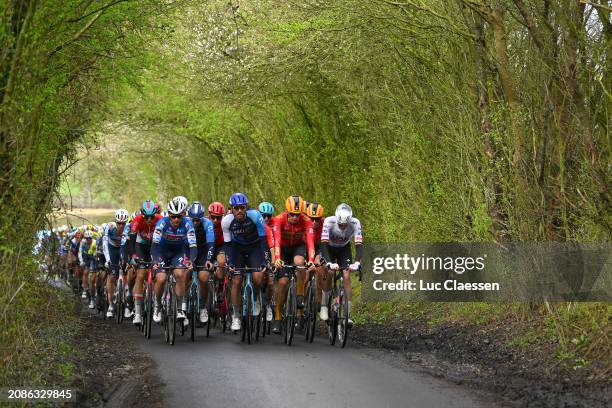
112, 238
142, 228
317, 231
218, 235
205, 240
166, 237
340, 237
290, 235
248, 239
87, 252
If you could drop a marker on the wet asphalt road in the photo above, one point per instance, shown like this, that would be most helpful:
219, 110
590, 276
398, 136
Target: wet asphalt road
220, 371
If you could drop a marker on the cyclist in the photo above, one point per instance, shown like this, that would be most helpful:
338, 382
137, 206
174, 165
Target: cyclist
138, 235
87, 259
100, 261
336, 250
205, 239
216, 211
267, 212
112, 244
294, 242
173, 244
75, 244
128, 252
315, 212
244, 233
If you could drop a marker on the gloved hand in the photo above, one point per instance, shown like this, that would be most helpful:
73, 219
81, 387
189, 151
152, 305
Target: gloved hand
354, 266
133, 261
82, 263
278, 263
309, 265
107, 264
209, 265
333, 266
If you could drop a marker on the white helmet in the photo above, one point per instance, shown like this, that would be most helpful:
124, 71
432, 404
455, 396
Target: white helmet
122, 215
181, 199
88, 234
177, 206
343, 214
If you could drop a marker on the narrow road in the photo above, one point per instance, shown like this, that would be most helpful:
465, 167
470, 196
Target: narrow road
221, 371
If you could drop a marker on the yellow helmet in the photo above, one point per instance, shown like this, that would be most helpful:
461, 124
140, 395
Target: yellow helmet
294, 204
314, 210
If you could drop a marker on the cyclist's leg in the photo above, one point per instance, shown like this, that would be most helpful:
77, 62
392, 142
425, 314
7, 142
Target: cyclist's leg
299, 259
114, 270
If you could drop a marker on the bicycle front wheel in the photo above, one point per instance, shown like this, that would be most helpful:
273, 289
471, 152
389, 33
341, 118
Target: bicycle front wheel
193, 310
311, 312
120, 301
172, 307
148, 320
343, 320
332, 321
290, 316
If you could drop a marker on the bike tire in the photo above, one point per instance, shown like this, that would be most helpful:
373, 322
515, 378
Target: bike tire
209, 307
343, 320
119, 301
258, 320
193, 311
249, 314
311, 322
149, 307
332, 321
291, 314
172, 309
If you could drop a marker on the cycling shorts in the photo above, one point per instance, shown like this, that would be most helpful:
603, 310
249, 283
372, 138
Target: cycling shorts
341, 255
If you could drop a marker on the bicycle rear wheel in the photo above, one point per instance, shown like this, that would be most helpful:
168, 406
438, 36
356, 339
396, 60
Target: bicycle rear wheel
332, 321
172, 308
343, 319
311, 312
120, 301
193, 310
148, 319
209, 307
249, 314
290, 316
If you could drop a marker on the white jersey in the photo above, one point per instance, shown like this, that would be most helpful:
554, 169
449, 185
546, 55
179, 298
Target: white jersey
340, 237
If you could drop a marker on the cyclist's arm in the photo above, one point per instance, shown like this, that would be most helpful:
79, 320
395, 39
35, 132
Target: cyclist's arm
277, 223
310, 237
227, 238
210, 238
261, 232
358, 240
191, 241
105, 245
81, 252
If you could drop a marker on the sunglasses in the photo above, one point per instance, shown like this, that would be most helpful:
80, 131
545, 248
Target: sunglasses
195, 219
148, 217
216, 217
174, 217
120, 223
293, 215
266, 216
239, 207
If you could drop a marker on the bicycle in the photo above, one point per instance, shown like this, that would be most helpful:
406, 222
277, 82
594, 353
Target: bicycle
147, 310
119, 297
248, 302
338, 322
263, 322
290, 312
310, 309
170, 306
193, 302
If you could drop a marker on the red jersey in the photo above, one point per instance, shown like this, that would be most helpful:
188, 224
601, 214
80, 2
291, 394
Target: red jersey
219, 241
287, 234
270, 236
317, 231
144, 228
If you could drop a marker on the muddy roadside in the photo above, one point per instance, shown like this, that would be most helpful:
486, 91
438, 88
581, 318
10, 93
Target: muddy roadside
478, 358
111, 370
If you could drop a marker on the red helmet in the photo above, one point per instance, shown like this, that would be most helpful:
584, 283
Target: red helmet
216, 208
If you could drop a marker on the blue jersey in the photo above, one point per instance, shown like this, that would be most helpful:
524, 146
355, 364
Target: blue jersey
246, 232
166, 236
205, 238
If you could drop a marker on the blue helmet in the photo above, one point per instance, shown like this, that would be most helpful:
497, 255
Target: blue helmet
148, 208
196, 210
266, 208
238, 199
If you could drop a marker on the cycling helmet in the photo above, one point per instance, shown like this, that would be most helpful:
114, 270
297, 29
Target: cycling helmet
266, 208
176, 206
134, 215
196, 210
294, 204
306, 205
121, 215
238, 199
148, 208
182, 199
89, 234
216, 208
314, 210
343, 214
